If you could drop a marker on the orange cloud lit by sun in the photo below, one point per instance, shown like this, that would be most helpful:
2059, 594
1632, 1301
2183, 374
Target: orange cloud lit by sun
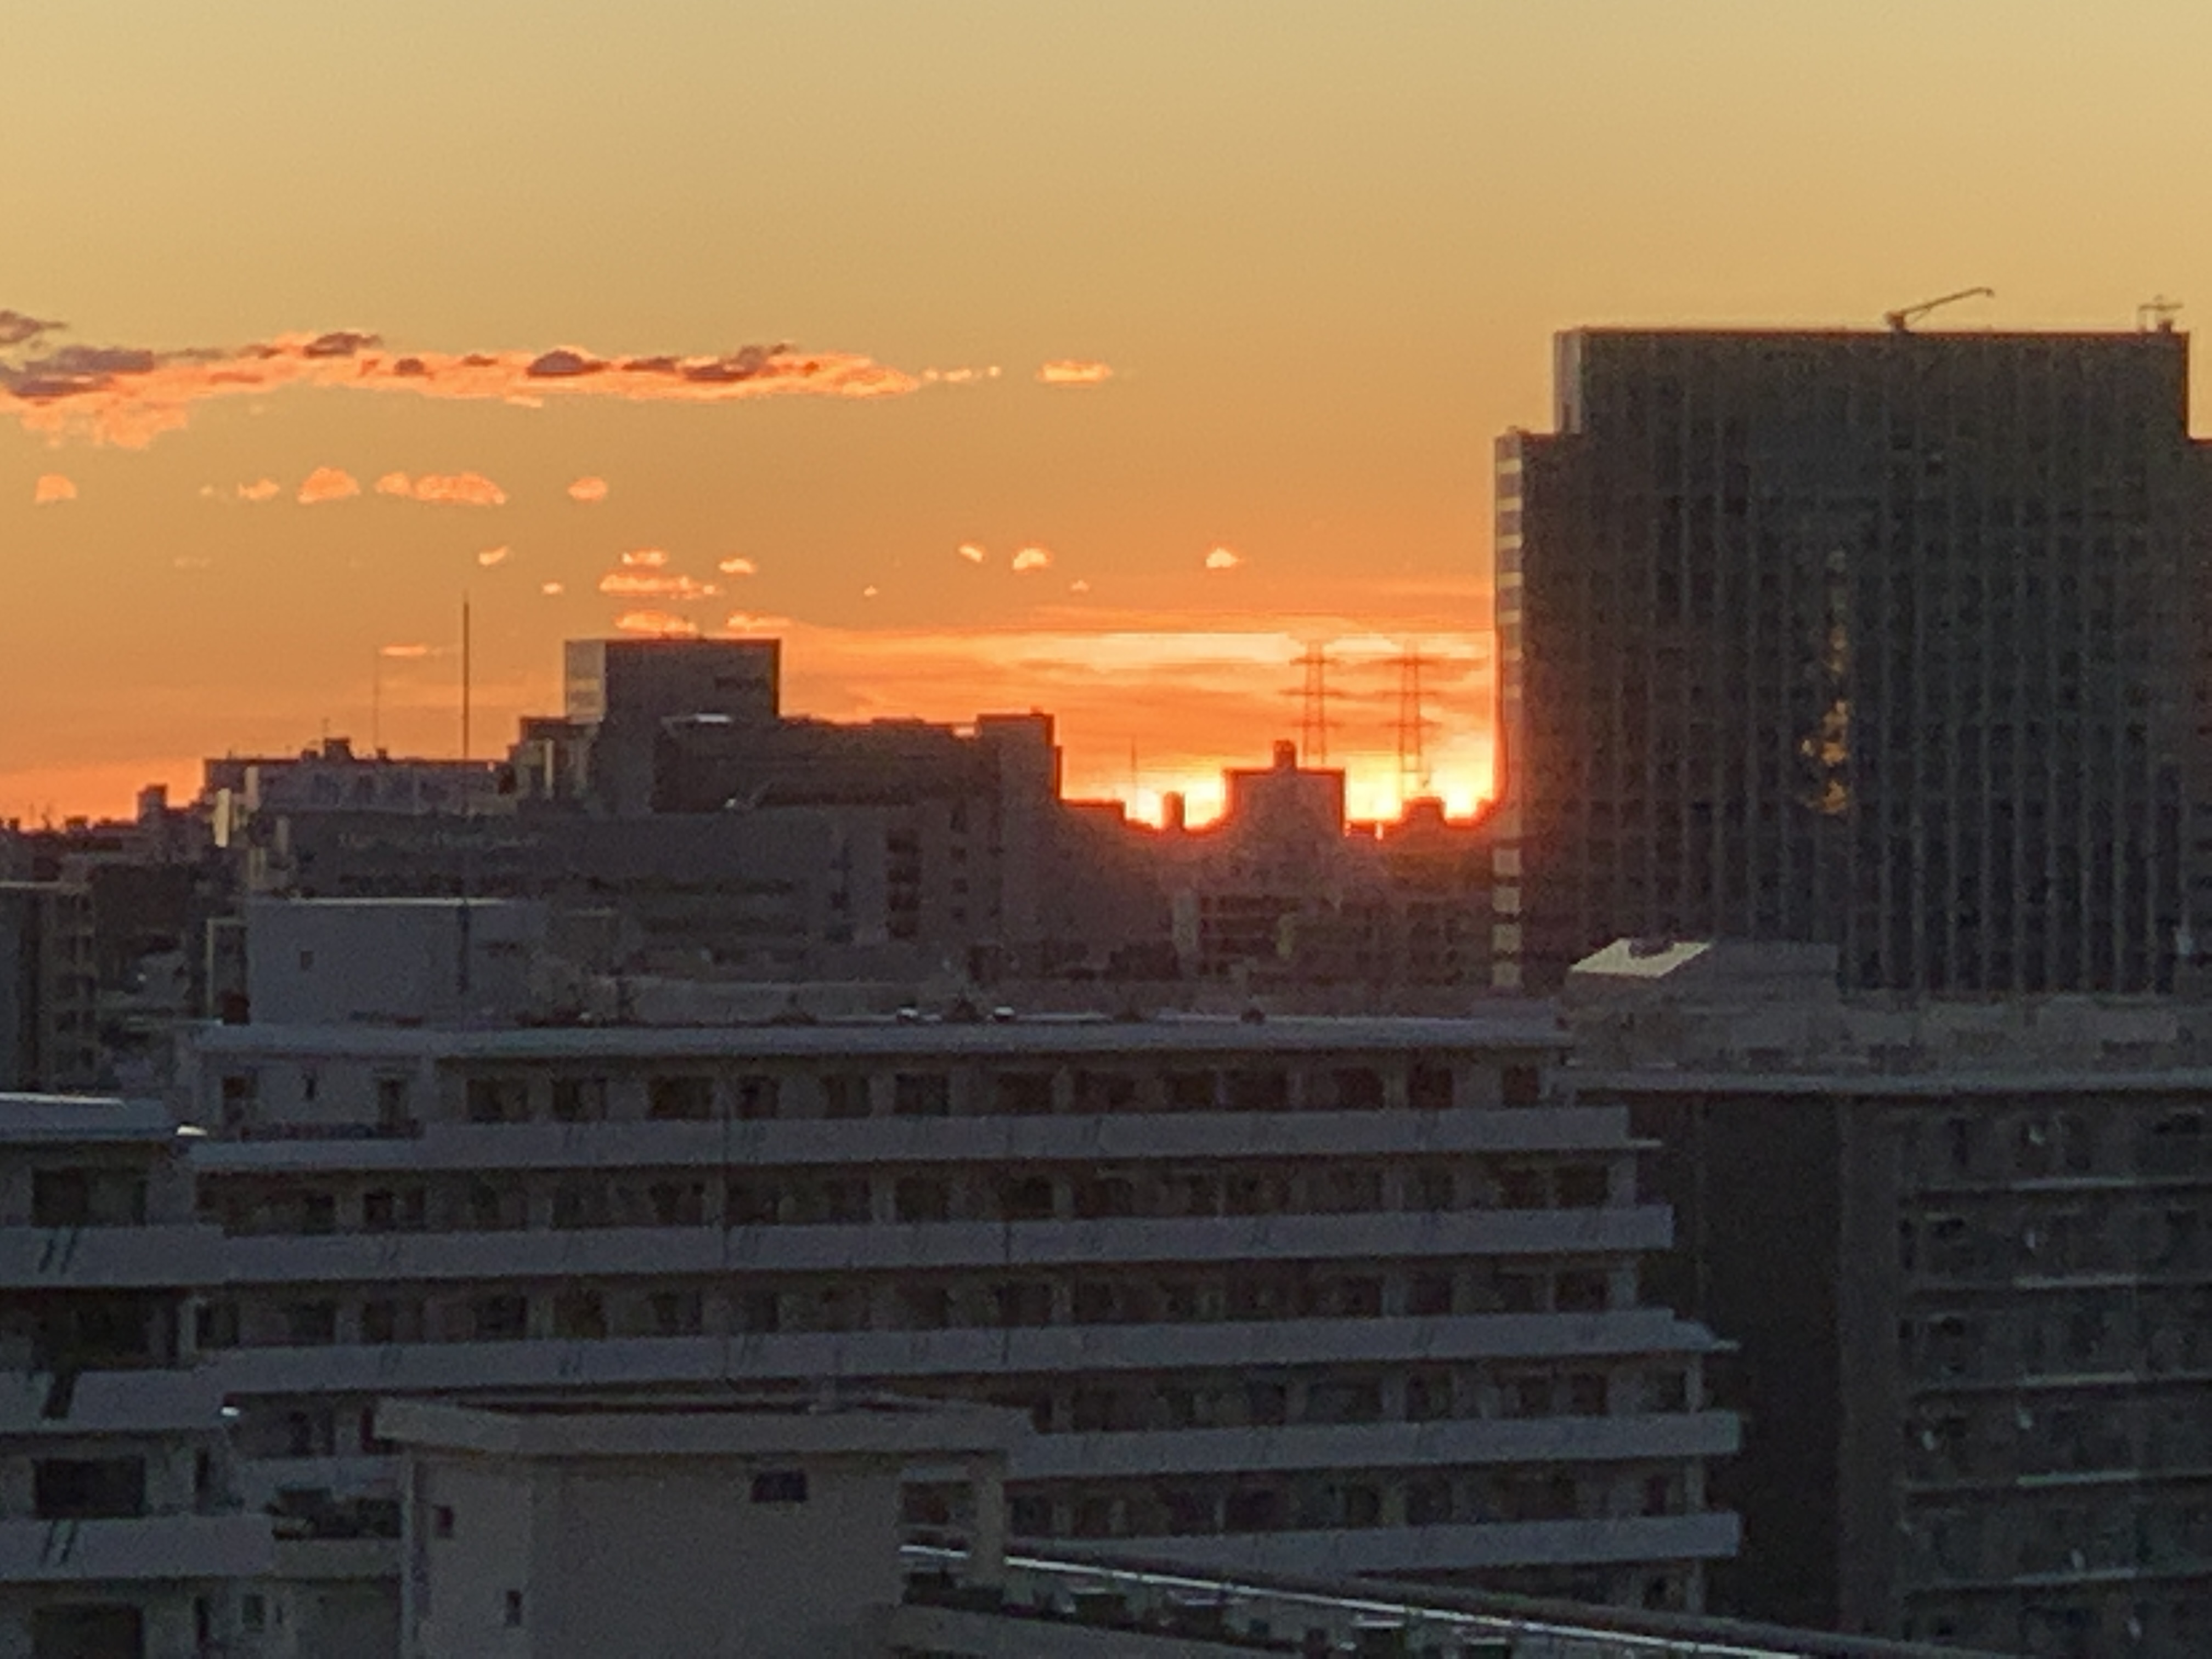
328, 483
448, 488
51, 489
589, 489
129, 395
1073, 371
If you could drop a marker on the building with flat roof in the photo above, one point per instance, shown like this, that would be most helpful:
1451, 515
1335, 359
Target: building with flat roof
1889, 640
120, 1537
1299, 1295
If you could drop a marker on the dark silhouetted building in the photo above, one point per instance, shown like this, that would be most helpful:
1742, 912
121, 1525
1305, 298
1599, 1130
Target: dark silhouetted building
1880, 640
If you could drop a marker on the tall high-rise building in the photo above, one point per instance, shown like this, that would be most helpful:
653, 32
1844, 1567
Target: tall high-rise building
1881, 640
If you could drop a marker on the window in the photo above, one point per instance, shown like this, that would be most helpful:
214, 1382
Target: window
921, 1094
676, 1313
579, 1204
1021, 1094
844, 1094
1520, 1085
923, 1198
754, 1097
683, 1099
579, 1316
1429, 1088
1357, 1089
500, 1318
311, 1324
385, 1211
780, 1486
441, 1521
497, 1100
87, 1488
513, 1609
678, 1203
580, 1099
393, 1116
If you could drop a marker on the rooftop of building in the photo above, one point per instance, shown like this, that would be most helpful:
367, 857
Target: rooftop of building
1511, 1024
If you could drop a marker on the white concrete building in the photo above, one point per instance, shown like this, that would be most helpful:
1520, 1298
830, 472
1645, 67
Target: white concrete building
119, 1534
715, 1525
1301, 1295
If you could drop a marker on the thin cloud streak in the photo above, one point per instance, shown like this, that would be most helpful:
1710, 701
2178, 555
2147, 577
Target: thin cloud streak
129, 396
589, 489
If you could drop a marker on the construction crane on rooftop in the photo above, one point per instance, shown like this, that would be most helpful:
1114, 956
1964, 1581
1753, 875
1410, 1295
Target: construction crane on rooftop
1901, 322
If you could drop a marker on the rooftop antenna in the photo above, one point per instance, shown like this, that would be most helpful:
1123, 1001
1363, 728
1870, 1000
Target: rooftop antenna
1313, 704
1414, 774
1901, 322
2156, 315
467, 665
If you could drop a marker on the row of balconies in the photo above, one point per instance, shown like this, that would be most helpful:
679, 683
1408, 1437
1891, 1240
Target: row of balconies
1079, 1139
509, 1310
922, 1247
844, 1194
893, 1357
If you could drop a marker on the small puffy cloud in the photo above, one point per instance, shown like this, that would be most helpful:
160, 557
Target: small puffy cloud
264, 489
460, 489
50, 488
589, 489
1222, 559
682, 588
448, 489
645, 558
972, 553
1032, 558
658, 623
1078, 586
738, 568
868, 593
192, 562
1073, 371
752, 622
328, 483
492, 556
552, 589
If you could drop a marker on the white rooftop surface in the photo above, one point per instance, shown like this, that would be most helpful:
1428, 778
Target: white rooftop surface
1632, 958
1515, 1023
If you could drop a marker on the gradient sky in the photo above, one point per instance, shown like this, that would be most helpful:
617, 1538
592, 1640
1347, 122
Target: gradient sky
1299, 262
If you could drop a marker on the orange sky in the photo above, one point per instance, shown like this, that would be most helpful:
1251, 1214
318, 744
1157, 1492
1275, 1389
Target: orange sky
1000, 356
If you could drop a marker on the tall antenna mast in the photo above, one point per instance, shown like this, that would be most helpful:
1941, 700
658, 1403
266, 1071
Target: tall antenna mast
467, 667
1413, 776
1313, 704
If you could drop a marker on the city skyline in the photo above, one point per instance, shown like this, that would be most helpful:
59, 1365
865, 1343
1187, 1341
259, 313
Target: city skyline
1258, 297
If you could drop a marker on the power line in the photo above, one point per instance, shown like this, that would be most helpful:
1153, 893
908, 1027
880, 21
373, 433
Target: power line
1313, 704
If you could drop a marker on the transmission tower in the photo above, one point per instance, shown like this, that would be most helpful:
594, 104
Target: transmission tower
1313, 706
1414, 774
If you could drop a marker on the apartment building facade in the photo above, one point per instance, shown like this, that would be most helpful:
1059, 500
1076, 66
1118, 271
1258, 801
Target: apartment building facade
1355, 1295
1963, 1252
120, 1537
